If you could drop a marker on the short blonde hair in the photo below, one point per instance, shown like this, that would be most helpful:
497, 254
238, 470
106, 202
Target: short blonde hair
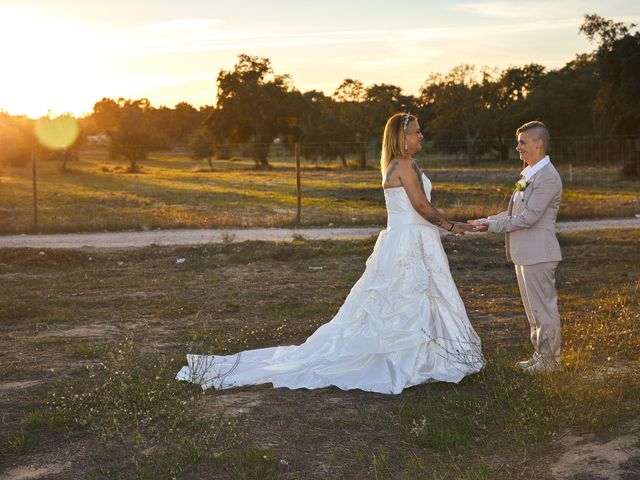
539, 131
393, 138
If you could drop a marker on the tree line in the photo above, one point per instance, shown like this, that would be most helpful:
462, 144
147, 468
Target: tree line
595, 94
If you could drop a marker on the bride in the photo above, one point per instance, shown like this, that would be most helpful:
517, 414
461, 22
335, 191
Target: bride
402, 324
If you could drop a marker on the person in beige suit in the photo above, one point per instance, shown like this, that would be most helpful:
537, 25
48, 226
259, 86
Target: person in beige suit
530, 227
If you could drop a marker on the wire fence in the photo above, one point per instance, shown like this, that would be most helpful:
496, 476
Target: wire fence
576, 151
589, 161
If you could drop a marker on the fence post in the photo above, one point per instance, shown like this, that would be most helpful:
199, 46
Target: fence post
35, 189
296, 151
637, 158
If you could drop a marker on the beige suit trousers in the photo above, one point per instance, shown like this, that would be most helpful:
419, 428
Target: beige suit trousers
537, 285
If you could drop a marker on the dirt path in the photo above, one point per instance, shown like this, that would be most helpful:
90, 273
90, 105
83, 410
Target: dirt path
587, 457
191, 237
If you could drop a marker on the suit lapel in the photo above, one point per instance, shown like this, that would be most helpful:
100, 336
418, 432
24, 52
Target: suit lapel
507, 235
510, 207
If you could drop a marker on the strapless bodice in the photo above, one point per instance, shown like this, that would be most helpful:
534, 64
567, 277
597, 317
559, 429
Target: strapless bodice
399, 208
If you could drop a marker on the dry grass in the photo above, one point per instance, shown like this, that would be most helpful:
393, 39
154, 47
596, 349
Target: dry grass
91, 341
174, 192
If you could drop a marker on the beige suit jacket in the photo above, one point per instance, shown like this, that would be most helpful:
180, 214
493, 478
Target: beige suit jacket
530, 221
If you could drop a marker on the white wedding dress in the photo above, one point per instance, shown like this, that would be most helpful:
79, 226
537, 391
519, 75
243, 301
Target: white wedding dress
402, 324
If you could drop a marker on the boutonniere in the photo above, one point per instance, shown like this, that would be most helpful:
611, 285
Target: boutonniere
522, 184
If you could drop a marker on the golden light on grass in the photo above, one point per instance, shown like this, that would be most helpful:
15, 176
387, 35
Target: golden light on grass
57, 133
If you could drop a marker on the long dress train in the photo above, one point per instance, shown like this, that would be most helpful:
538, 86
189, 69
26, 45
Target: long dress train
402, 324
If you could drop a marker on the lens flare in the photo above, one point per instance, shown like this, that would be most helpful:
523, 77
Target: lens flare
57, 133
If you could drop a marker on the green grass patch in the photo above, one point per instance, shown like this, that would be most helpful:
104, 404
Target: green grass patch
16, 444
85, 350
42, 419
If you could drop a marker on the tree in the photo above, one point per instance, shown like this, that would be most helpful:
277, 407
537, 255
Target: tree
136, 133
459, 105
64, 156
349, 99
506, 96
363, 111
608, 31
563, 99
322, 131
201, 145
617, 60
17, 140
178, 123
105, 116
350, 90
255, 105
385, 99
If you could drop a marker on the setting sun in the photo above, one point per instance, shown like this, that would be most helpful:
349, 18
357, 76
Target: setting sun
52, 66
63, 57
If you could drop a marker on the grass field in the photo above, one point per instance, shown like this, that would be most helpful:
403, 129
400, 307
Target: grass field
91, 341
176, 192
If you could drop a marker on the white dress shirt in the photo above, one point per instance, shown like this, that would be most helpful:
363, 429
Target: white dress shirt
529, 172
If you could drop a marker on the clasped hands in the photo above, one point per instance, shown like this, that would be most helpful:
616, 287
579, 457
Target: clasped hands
472, 226
480, 224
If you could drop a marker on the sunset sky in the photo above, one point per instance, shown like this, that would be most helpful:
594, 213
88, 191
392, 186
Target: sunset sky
65, 55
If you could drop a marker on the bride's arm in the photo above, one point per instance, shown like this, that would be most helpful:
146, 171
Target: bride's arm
411, 184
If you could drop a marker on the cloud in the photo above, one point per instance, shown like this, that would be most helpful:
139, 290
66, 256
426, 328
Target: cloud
499, 9
183, 37
203, 35
164, 80
182, 25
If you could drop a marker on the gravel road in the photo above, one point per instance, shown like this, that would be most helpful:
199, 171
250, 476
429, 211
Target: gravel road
191, 237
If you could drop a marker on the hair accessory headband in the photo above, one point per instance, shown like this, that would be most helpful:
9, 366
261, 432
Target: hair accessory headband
405, 121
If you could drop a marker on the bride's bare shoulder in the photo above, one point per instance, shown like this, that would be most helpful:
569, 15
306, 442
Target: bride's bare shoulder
392, 177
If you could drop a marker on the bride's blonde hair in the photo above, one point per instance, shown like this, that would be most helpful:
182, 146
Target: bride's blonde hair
393, 138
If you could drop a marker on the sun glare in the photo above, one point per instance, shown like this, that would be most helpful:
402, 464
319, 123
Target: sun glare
48, 66
57, 133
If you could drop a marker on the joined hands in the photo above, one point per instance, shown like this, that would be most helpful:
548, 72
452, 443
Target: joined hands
480, 224
460, 229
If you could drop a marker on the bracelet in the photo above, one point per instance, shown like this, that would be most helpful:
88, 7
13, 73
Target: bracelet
452, 225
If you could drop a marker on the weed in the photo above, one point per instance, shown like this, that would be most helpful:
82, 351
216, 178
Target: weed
228, 238
47, 419
85, 350
16, 445
135, 399
253, 462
